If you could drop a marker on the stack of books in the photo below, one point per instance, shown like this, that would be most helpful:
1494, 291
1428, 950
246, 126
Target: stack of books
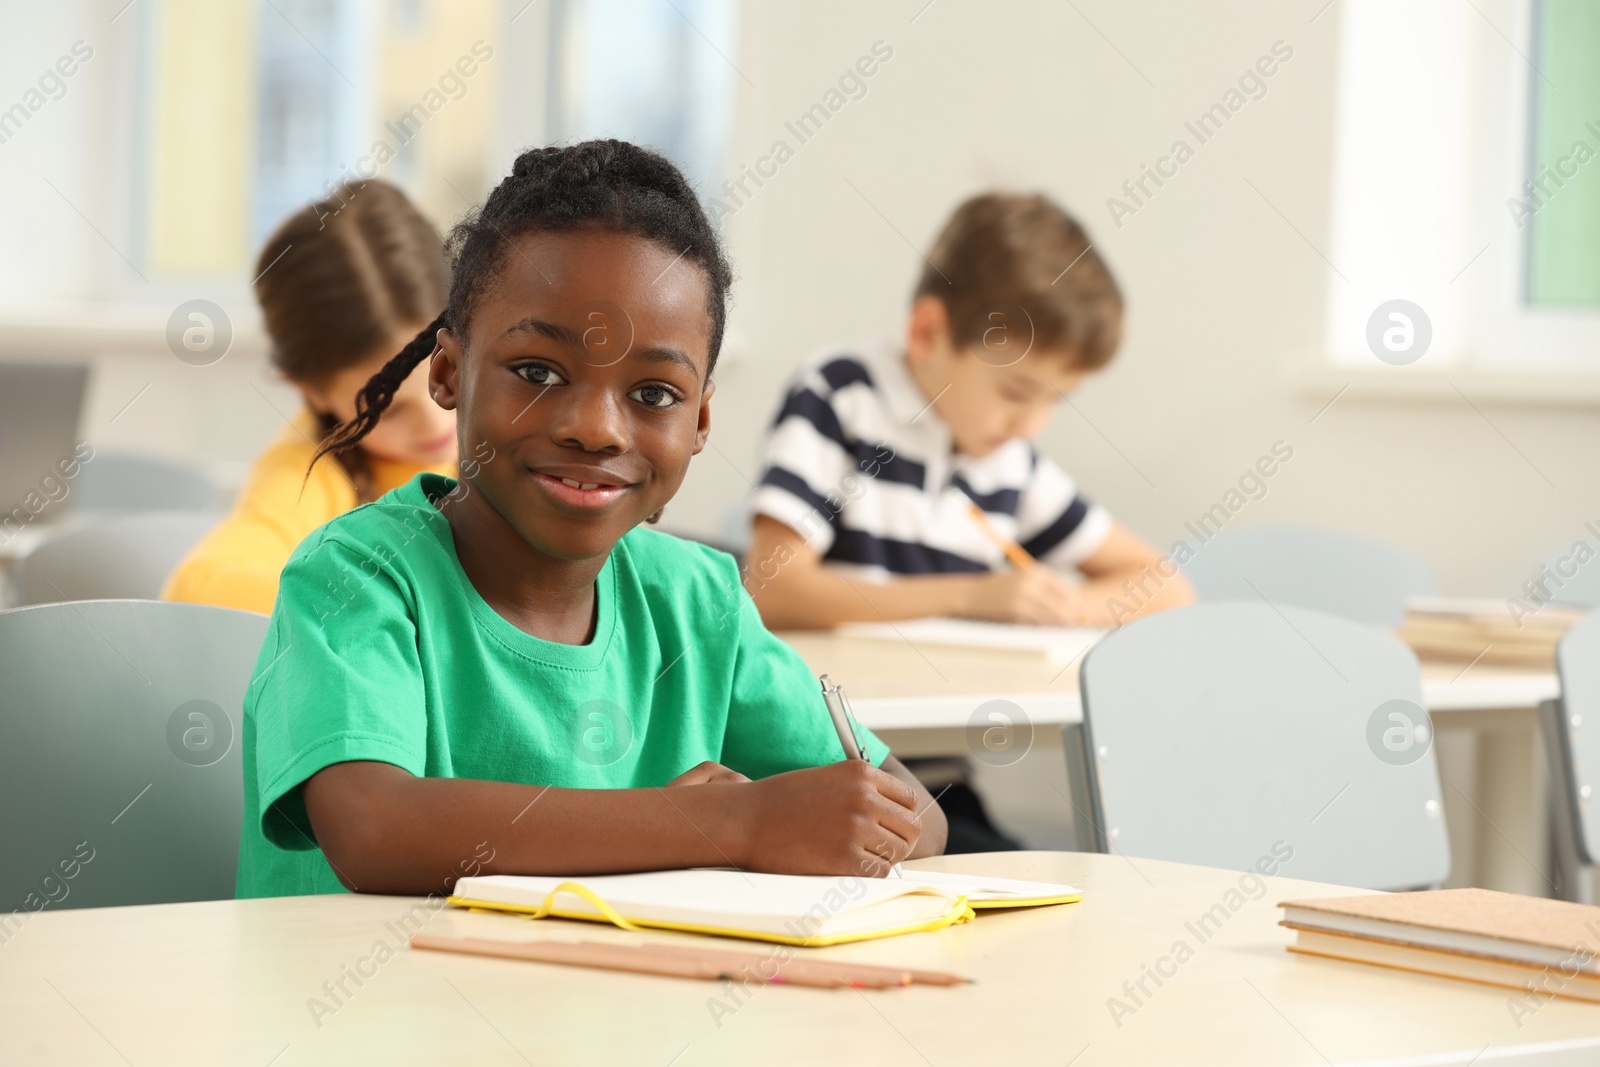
1486, 631
1501, 939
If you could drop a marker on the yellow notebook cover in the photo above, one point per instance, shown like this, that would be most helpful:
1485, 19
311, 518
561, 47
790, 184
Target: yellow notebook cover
810, 911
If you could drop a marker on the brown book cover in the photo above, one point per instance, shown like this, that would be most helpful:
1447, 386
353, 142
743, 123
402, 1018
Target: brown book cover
1486, 632
1495, 614
1559, 981
1480, 921
1488, 652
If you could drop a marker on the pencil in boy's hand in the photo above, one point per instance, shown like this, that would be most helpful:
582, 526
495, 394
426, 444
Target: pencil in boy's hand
1014, 552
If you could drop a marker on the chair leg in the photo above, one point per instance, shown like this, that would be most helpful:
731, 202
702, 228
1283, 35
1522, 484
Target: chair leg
1087, 818
1572, 874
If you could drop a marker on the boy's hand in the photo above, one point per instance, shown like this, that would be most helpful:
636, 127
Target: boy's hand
1035, 595
706, 773
842, 818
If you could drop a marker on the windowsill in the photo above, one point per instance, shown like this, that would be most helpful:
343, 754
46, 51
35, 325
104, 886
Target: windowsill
76, 330
1549, 388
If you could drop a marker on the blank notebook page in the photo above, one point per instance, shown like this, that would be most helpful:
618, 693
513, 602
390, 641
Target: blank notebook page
1062, 644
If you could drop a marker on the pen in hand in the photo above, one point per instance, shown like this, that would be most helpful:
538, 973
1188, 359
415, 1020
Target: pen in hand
839, 711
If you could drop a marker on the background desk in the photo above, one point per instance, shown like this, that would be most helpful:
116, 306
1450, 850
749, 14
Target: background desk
229, 982
921, 699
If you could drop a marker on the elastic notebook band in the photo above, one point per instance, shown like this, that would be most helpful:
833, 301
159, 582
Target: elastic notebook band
611, 914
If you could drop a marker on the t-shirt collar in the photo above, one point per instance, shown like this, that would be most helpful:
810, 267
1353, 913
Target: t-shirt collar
886, 358
419, 491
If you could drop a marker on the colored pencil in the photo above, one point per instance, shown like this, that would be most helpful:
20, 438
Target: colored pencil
1014, 552
683, 961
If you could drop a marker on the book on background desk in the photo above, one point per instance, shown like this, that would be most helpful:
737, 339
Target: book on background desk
1059, 644
812, 910
1479, 935
1488, 631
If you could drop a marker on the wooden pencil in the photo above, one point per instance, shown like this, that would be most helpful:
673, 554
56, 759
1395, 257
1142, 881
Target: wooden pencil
896, 975
1014, 552
689, 961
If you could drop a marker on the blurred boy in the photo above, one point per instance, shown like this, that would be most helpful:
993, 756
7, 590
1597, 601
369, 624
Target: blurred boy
864, 510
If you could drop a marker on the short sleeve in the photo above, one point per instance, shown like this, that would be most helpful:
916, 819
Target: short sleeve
777, 720
1055, 523
339, 680
805, 460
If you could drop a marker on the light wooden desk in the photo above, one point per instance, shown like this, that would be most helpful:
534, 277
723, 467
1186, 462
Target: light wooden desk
229, 982
922, 699
900, 686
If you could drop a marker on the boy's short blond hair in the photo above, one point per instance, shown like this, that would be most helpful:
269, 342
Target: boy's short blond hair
1004, 253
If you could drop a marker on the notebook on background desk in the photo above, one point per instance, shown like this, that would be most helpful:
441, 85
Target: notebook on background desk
1059, 644
810, 910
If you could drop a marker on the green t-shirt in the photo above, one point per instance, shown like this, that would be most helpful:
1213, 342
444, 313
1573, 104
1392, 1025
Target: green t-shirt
380, 648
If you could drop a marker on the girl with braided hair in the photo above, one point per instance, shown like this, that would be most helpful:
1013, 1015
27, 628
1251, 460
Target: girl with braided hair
509, 672
342, 283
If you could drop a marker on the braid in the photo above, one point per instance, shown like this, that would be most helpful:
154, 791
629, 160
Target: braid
379, 392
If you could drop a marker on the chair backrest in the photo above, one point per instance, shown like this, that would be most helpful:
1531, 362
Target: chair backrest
1310, 568
1576, 729
120, 774
1217, 733
113, 556
121, 482
1571, 577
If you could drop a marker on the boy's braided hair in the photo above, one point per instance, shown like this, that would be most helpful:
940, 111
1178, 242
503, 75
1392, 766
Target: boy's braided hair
609, 183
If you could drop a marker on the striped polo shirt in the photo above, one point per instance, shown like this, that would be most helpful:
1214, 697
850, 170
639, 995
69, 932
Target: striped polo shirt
860, 464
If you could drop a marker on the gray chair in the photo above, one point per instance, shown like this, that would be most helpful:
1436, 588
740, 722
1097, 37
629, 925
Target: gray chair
1569, 581
120, 726
1572, 741
125, 482
1214, 733
1311, 568
111, 557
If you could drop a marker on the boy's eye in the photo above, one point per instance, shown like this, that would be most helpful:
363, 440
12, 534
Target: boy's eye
655, 396
539, 374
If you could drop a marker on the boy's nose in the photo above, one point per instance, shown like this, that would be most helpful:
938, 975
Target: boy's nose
592, 419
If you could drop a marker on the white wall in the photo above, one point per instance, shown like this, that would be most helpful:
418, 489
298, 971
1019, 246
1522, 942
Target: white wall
1226, 297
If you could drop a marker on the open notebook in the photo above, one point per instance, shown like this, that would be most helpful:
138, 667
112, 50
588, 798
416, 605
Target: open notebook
785, 908
1060, 644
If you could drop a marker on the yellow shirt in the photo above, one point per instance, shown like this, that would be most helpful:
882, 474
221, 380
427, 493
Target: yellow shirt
236, 565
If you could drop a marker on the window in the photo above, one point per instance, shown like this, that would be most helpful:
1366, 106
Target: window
660, 74
309, 107
1562, 209
1446, 114
249, 111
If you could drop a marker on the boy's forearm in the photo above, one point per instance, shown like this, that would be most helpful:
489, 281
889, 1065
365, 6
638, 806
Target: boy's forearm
1110, 602
386, 831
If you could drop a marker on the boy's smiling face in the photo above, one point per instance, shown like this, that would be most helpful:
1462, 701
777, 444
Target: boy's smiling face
581, 389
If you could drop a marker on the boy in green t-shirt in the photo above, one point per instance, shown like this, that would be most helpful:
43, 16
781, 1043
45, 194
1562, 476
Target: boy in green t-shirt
504, 675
